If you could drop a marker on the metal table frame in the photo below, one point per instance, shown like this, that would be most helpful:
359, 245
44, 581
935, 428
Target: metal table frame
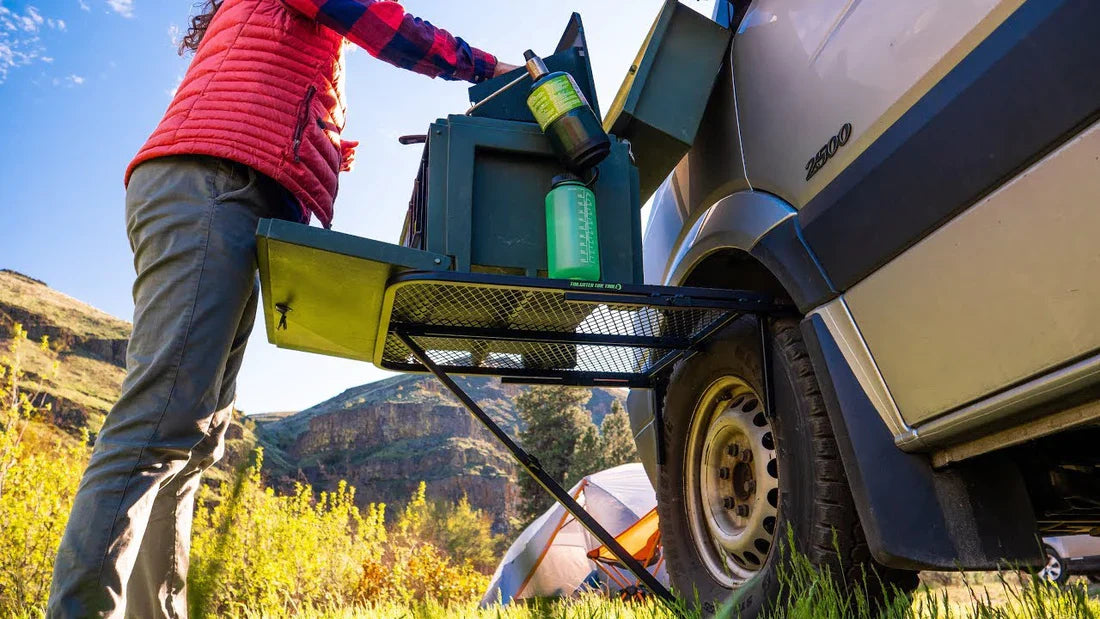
724, 306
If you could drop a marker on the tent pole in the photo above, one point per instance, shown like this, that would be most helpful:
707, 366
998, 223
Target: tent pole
532, 466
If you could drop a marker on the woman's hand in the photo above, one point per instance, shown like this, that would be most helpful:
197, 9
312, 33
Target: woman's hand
502, 68
347, 154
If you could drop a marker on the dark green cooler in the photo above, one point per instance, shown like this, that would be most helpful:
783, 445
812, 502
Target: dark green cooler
480, 199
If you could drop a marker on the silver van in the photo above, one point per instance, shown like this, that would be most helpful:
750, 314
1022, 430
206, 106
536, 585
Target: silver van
922, 180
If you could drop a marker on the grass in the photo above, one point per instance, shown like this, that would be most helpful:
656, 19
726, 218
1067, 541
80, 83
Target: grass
589, 607
90, 383
1006, 596
1018, 600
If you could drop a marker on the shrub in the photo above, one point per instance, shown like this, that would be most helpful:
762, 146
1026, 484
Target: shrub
36, 487
413, 569
253, 549
465, 534
255, 552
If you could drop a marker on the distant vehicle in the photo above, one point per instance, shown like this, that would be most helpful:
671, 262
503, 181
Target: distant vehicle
922, 181
1073, 555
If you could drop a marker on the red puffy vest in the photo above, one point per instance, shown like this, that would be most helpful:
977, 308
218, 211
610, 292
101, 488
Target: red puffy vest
265, 89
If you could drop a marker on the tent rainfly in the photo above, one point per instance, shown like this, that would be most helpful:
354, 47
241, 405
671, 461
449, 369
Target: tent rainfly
549, 558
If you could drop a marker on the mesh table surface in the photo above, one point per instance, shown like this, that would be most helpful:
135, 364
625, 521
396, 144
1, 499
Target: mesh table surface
553, 330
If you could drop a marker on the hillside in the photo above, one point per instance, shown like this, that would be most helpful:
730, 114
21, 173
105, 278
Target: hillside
386, 437
89, 347
89, 344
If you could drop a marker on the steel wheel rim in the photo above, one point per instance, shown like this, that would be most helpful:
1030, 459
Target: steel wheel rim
732, 498
1052, 571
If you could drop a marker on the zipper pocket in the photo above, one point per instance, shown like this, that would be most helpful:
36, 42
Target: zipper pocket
327, 126
303, 120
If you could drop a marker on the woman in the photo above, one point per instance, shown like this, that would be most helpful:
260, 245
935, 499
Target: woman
252, 132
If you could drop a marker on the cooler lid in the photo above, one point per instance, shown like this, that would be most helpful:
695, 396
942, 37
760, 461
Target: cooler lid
661, 101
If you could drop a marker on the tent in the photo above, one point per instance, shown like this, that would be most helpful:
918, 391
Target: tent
550, 556
643, 541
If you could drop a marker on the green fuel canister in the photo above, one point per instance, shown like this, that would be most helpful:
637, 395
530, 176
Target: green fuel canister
565, 116
572, 241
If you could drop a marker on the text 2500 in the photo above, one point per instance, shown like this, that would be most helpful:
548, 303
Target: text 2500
826, 153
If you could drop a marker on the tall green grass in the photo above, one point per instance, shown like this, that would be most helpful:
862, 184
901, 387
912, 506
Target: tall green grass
1025, 598
810, 594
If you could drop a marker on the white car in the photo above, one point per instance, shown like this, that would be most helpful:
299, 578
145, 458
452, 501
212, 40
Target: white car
1073, 555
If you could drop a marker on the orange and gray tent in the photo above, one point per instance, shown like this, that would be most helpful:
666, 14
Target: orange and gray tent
550, 558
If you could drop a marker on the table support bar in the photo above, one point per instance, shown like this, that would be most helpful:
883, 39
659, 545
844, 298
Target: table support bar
532, 466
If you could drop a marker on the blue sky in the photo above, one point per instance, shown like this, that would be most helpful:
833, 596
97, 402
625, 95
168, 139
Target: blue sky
84, 82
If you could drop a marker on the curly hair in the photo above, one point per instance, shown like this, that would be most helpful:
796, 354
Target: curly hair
199, 24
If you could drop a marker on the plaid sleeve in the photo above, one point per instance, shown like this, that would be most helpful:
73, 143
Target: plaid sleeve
387, 32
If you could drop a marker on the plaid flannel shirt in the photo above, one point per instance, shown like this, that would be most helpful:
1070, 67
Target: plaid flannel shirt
388, 33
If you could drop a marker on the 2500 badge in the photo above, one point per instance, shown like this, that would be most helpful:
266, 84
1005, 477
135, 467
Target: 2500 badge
826, 153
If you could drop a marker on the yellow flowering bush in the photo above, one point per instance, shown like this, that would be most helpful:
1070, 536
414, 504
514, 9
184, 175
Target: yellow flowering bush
38, 478
253, 552
413, 569
253, 549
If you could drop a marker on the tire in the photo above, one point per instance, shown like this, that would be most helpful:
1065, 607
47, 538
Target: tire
1055, 571
1094, 579
712, 407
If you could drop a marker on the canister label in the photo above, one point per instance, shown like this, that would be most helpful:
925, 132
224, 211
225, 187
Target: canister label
554, 98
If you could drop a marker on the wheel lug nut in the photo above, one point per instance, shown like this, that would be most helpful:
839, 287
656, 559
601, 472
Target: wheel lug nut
750, 486
732, 450
728, 502
723, 473
742, 510
746, 456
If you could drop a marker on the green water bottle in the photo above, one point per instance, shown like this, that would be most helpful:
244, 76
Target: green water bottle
572, 242
559, 106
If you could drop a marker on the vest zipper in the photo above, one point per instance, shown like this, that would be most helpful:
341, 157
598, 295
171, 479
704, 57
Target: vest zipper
303, 120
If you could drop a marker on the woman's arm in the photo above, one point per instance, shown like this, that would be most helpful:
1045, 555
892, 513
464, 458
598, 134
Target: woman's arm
388, 33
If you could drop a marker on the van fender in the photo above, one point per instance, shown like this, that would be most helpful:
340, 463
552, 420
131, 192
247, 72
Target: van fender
762, 226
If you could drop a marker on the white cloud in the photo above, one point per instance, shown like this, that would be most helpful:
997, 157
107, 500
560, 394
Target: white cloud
69, 81
34, 16
124, 8
174, 89
20, 40
84, 6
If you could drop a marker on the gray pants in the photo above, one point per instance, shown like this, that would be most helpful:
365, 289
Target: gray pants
191, 221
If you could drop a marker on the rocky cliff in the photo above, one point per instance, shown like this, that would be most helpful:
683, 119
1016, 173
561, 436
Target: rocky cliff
386, 437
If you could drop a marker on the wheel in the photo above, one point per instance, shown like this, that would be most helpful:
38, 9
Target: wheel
736, 475
1055, 570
